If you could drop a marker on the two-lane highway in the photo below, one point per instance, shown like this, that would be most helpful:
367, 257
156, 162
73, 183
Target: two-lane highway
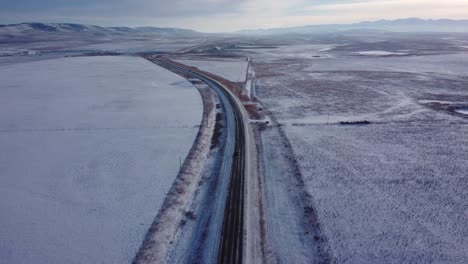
226, 235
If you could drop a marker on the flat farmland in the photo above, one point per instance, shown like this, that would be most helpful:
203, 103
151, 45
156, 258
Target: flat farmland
87, 159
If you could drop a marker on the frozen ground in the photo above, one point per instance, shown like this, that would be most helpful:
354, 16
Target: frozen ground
389, 192
232, 70
90, 147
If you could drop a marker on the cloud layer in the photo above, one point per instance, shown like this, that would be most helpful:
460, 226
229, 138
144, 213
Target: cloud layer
224, 15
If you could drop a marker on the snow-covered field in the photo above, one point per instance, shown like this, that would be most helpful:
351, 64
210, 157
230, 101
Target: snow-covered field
38, 47
159, 44
296, 51
89, 148
232, 70
388, 193
393, 191
453, 64
346, 88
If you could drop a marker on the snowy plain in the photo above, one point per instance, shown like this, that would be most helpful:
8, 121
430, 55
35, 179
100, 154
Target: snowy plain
290, 52
388, 193
392, 191
90, 146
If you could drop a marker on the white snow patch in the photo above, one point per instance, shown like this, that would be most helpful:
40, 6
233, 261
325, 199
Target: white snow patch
249, 82
440, 102
10, 51
380, 53
462, 111
89, 149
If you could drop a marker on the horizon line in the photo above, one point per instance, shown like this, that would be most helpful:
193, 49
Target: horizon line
236, 31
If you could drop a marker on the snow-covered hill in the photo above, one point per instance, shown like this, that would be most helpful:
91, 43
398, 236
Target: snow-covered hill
23, 29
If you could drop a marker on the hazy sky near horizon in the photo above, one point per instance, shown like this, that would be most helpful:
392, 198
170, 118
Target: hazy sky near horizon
224, 15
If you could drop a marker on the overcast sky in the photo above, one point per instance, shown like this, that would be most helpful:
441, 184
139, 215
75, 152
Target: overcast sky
224, 15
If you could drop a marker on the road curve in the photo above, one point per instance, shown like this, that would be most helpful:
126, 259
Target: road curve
229, 245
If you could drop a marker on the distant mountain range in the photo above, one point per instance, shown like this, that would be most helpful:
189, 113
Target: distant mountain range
399, 25
14, 31
67, 28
